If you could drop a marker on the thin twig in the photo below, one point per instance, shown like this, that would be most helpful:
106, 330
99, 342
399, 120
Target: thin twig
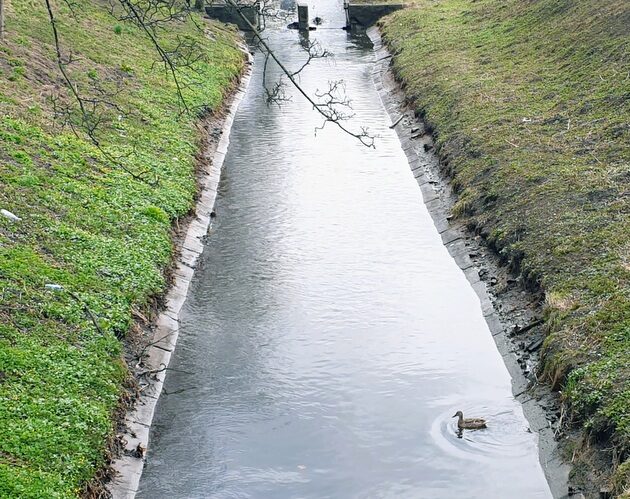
362, 136
393, 125
87, 309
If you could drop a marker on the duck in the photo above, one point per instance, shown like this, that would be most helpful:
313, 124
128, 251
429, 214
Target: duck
469, 423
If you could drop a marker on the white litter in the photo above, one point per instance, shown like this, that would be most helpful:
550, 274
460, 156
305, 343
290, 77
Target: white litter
10, 215
54, 287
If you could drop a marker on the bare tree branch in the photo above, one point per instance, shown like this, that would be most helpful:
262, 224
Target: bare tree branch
328, 111
145, 20
2, 21
93, 109
314, 51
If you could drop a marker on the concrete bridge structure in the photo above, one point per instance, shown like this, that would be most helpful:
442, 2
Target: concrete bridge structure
360, 14
363, 14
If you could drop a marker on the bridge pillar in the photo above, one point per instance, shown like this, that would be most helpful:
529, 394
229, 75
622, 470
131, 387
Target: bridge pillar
303, 22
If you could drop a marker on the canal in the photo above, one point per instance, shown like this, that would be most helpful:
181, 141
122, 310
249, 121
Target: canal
328, 336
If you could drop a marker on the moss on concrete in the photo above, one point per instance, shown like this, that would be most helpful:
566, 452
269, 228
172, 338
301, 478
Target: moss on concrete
86, 225
530, 102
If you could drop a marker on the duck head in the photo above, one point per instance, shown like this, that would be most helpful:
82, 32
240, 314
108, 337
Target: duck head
458, 414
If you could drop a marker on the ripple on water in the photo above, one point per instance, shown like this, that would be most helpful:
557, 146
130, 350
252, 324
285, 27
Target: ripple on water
507, 434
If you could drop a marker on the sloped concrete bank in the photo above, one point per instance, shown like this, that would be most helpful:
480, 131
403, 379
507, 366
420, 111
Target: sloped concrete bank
156, 353
512, 313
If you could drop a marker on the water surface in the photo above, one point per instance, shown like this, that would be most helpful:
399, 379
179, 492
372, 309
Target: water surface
329, 337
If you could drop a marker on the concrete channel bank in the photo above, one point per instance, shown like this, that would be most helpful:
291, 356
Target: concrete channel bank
128, 467
503, 314
438, 198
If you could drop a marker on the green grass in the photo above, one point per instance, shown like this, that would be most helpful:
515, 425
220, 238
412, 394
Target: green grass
87, 225
530, 101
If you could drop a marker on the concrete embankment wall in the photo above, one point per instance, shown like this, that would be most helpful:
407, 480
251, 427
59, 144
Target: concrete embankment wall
163, 341
367, 14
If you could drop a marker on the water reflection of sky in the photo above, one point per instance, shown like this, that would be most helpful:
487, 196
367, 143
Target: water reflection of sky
330, 333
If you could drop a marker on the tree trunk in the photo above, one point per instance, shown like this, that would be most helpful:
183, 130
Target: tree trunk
2, 20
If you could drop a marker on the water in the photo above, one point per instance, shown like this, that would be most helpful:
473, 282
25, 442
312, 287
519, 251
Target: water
329, 337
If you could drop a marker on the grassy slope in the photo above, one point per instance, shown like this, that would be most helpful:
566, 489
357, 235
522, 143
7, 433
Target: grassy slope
87, 225
531, 105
